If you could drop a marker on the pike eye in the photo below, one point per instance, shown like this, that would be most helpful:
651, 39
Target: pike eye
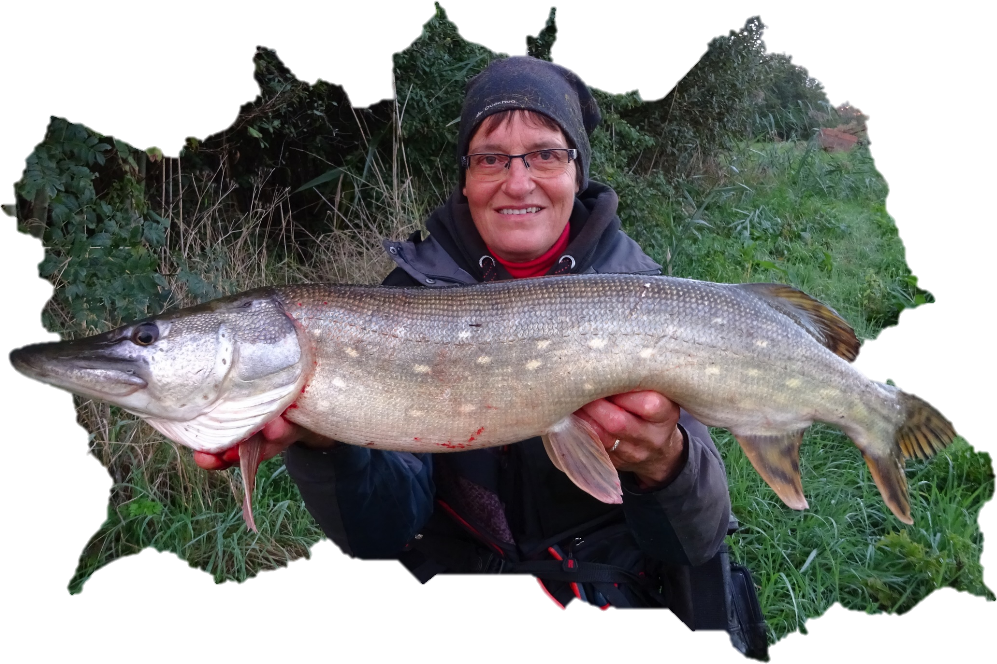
145, 334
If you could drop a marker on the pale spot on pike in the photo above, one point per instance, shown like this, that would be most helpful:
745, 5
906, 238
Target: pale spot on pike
793, 382
712, 371
468, 408
753, 372
588, 387
543, 343
718, 321
484, 359
597, 343
420, 368
646, 353
464, 335
761, 343
338, 382
533, 364
416, 413
352, 352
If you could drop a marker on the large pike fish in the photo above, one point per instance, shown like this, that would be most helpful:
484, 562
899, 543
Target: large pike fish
439, 370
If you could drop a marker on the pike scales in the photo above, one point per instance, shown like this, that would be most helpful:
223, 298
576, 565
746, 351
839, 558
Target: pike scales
434, 370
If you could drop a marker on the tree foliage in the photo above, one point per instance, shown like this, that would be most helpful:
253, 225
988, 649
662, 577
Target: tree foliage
308, 144
100, 236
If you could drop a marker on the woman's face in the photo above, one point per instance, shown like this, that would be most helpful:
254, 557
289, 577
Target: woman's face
520, 217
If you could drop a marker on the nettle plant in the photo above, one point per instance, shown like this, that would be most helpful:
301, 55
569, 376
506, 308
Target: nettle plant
84, 195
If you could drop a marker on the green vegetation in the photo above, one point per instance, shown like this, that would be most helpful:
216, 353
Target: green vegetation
723, 179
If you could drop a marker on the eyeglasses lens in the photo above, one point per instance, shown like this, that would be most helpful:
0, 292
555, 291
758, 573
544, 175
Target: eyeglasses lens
541, 164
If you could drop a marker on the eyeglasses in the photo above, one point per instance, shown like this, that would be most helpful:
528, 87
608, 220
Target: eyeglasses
492, 166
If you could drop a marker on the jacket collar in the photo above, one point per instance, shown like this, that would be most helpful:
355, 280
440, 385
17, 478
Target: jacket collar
593, 220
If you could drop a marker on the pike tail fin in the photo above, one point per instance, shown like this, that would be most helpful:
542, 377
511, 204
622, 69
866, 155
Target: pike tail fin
777, 460
575, 449
923, 433
250, 457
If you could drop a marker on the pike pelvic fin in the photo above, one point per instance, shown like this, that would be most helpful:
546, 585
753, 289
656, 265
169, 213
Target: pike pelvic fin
819, 320
550, 452
250, 456
777, 460
575, 449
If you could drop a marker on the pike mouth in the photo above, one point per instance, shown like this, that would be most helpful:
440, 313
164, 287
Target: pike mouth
104, 378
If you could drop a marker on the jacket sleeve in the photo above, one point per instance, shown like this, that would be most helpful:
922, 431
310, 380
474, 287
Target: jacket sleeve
369, 502
685, 521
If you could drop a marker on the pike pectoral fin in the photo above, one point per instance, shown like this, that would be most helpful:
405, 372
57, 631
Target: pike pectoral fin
250, 456
777, 460
575, 449
888, 474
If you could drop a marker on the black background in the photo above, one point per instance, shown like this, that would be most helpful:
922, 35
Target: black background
157, 78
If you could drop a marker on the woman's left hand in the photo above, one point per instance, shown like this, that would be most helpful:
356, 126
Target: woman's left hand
645, 423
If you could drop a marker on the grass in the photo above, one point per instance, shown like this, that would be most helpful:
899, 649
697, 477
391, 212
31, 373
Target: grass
782, 212
790, 213
848, 547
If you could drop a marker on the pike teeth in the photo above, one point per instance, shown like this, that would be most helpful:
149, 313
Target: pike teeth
519, 210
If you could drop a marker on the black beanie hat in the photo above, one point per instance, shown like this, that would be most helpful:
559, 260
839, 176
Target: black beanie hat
527, 83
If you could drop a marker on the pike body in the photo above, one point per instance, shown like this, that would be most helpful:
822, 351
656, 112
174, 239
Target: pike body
440, 370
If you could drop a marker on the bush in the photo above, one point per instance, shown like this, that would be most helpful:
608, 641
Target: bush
87, 201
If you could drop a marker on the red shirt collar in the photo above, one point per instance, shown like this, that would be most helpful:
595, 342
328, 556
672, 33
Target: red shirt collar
538, 266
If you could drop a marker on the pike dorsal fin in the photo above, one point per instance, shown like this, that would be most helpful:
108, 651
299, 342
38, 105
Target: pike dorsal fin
819, 320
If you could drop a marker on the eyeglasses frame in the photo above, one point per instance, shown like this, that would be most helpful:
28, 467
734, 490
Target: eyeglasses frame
465, 161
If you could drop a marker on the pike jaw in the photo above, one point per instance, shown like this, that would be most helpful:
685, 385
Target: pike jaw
207, 377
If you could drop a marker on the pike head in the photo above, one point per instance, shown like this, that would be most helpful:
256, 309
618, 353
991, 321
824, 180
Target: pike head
206, 377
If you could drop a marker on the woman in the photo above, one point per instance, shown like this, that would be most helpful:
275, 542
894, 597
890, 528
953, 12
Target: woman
524, 208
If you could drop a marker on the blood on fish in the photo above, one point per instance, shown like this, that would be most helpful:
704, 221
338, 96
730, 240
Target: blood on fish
415, 438
453, 446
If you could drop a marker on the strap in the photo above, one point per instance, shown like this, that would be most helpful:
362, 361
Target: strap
606, 577
581, 573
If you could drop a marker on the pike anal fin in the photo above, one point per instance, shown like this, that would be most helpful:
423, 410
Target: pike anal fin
575, 449
250, 457
888, 474
777, 460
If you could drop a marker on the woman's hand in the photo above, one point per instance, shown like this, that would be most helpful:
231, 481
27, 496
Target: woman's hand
645, 423
277, 434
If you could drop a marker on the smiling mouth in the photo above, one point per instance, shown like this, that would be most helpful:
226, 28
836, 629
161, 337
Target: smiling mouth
525, 210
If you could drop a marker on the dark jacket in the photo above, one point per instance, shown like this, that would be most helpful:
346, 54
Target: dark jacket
376, 504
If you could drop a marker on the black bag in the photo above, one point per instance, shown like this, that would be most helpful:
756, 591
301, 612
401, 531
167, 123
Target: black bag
748, 632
